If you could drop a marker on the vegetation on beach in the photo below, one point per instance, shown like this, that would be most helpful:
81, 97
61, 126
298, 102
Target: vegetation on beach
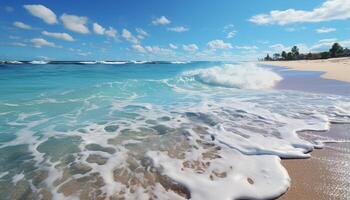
335, 51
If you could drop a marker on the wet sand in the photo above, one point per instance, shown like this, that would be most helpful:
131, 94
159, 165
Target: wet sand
335, 68
326, 175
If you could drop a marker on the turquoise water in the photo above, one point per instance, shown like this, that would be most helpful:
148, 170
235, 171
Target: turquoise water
161, 131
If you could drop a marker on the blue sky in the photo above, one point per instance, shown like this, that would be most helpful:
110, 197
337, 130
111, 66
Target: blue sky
168, 30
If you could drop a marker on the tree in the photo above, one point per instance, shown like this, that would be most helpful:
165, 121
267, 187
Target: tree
284, 55
276, 56
309, 56
325, 55
267, 58
289, 56
295, 52
336, 50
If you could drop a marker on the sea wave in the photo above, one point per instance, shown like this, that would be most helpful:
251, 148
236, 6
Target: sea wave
39, 62
243, 76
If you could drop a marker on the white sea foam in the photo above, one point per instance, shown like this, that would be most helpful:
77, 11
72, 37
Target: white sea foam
243, 76
88, 62
39, 62
112, 62
180, 62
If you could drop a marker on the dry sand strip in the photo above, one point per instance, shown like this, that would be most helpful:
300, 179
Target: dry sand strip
335, 68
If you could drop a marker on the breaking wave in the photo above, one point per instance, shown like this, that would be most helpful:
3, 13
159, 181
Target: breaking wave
247, 76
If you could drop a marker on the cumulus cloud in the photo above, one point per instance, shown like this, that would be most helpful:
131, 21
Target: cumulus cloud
142, 32
247, 47
327, 43
75, 23
178, 29
42, 12
231, 34
161, 21
126, 34
329, 10
40, 42
62, 36
138, 48
218, 44
111, 32
22, 25
279, 47
98, 29
158, 50
172, 46
151, 49
325, 30
190, 47
229, 30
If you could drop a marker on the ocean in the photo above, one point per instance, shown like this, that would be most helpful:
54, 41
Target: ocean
153, 130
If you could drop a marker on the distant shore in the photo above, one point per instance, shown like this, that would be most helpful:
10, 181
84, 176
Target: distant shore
335, 68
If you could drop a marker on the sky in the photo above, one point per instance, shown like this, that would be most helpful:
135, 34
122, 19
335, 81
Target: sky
168, 30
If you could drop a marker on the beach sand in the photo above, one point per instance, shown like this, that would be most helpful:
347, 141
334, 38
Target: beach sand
335, 68
326, 175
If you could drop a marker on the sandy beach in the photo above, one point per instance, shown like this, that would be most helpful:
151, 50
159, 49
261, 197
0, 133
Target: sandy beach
336, 68
326, 174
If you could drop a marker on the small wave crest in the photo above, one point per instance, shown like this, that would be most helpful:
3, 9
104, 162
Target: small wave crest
246, 76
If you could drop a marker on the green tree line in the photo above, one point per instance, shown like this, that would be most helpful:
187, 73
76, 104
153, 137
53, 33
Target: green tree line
334, 52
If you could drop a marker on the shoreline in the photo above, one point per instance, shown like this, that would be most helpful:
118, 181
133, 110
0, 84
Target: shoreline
334, 68
325, 175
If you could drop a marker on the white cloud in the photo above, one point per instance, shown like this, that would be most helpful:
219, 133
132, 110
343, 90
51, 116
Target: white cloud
42, 12
158, 50
98, 29
218, 44
40, 42
173, 46
111, 32
325, 44
18, 44
142, 32
190, 47
178, 29
329, 10
62, 36
161, 21
75, 23
325, 30
279, 47
22, 25
231, 34
229, 30
126, 34
138, 48
84, 53
328, 40
247, 47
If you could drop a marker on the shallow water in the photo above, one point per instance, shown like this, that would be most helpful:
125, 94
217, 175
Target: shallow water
197, 130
